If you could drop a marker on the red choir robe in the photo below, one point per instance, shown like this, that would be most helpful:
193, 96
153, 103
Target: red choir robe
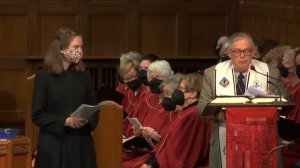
122, 88
150, 114
294, 91
147, 111
291, 156
184, 142
131, 99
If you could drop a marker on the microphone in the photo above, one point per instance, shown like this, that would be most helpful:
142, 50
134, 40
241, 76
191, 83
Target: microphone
268, 76
253, 68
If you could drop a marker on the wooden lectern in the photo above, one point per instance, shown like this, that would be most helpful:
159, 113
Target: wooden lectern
251, 132
108, 135
15, 152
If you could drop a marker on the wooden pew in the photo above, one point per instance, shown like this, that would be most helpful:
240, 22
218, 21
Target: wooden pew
15, 152
108, 135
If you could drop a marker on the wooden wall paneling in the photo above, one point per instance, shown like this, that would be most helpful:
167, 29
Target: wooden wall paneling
12, 88
49, 24
108, 35
283, 35
12, 92
13, 32
276, 20
32, 31
158, 28
191, 65
115, 35
296, 28
292, 26
31, 130
159, 1
293, 29
206, 20
183, 35
133, 30
255, 26
271, 28
158, 34
203, 28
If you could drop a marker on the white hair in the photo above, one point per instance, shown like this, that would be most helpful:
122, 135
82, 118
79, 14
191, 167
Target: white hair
172, 80
224, 48
131, 55
161, 66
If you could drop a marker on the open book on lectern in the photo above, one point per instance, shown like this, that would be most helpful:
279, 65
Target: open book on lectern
247, 99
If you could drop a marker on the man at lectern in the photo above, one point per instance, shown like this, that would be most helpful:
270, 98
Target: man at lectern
232, 78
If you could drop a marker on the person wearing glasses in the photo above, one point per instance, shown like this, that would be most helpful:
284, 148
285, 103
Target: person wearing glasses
132, 89
229, 78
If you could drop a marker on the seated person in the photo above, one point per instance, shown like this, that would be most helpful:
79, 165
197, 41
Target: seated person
150, 112
125, 57
263, 46
144, 65
133, 91
289, 128
274, 56
218, 42
150, 108
184, 140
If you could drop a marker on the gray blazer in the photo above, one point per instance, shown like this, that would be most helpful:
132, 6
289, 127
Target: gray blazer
208, 94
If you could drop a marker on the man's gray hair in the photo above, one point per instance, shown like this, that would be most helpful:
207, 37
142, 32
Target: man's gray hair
236, 36
161, 66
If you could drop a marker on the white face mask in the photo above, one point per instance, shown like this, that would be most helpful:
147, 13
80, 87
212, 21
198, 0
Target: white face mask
73, 55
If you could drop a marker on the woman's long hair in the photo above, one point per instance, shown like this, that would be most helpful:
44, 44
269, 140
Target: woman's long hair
53, 58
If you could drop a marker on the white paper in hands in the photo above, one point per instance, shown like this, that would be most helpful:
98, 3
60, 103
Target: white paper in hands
136, 124
255, 91
85, 111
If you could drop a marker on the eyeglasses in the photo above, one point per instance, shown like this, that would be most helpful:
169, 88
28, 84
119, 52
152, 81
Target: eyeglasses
246, 52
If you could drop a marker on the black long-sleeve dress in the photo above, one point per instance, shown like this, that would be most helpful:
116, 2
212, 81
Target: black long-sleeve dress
55, 97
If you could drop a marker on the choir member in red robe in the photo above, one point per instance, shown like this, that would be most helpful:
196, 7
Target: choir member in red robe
132, 89
150, 112
292, 155
183, 142
294, 89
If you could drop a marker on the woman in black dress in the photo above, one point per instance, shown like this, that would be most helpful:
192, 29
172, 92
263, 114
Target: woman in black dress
61, 87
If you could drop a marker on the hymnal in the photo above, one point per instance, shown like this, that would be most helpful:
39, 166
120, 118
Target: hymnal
85, 111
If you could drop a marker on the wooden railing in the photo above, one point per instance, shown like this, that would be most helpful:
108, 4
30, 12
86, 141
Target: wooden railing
104, 72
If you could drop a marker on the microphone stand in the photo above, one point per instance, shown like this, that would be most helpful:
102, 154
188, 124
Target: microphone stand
279, 92
268, 76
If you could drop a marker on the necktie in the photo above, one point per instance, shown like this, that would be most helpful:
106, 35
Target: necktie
240, 85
